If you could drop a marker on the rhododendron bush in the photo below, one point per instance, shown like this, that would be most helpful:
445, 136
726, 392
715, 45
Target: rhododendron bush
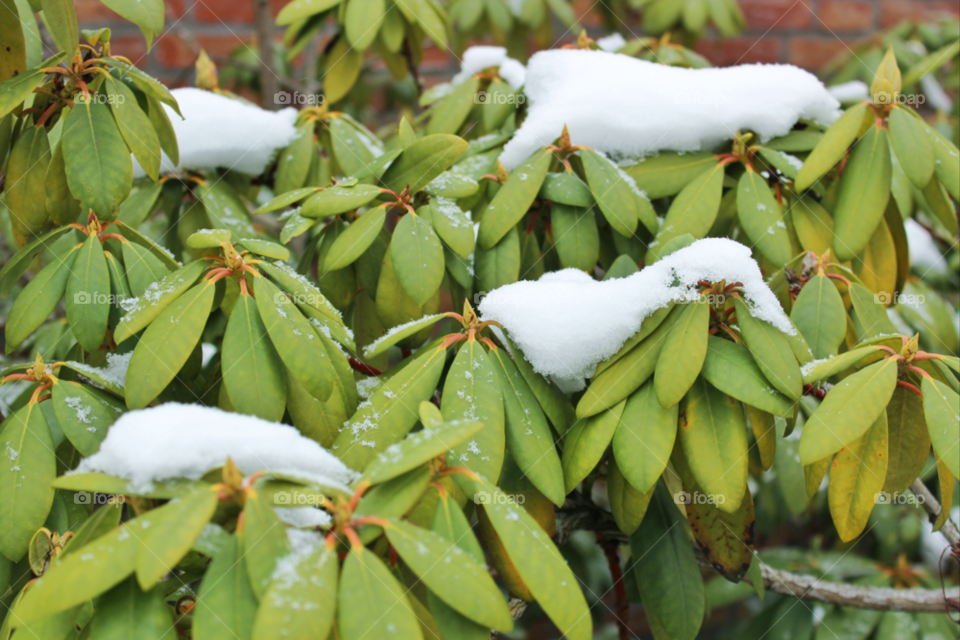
605, 327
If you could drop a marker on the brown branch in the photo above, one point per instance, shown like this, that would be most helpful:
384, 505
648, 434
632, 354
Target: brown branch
269, 83
932, 507
579, 514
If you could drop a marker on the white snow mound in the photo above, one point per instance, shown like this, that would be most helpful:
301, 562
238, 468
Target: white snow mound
476, 59
566, 322
185, 441
631, 108
217, 131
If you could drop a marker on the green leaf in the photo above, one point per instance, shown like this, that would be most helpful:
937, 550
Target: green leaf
540, 565
832, 147
253, 372
38, 300
513, 199
159, 252
167, 344
301, 9
528, 435
418, 448
226, 606
627, 505
691, 212
726, 539
829, 367
713, 435
98, 166
146, 14
397, 334
87, 293
168, 533
74, 578
13, 56
871, 314
613, 195
307, 297
500, 264
439, 563
356, 239
156, 298
947, 163
761, 217
819, 315
849, 409
913, 147
359, 153
585, 444
909, 440
452, 225
61, 20
864, 192
343, 67
26, 172
451, 112
372, 604
337, 200
225, 209
287, 199
553, 402
84, 415
566, 188
295, 340
18, 264
577, 237
631, 370
423, 161
209, 238
163, 127
127, 612
264, 541
301, 602
387, 418
856, 477
61, 206
293, 162
15, 90
667, 573
771, 351
452, 185
682, 355
940, 404
472, 392
135, 126
667, 173
730, 368
25, 492
417, 258
644, 439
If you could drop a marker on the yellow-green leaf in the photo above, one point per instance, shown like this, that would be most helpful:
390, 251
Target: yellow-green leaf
856, 477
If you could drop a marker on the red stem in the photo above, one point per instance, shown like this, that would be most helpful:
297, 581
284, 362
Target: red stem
622, 611
365, 369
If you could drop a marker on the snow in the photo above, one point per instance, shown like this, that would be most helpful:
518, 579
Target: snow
632, 108
853, 91
924, 253
217, 131
934, 93
303, 517
566, 322
612, 42
115, 372
476, 59
302, 544
185, 441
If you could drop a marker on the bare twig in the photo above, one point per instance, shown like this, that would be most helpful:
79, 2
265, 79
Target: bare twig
269, 83
930, 504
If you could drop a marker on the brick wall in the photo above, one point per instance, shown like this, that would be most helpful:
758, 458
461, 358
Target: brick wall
803, 32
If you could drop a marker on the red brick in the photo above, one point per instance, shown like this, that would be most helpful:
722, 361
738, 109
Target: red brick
846, 15
776, 15
892, 12
434, 58
174, 52
132, 47
742, 50
811, 52
586, 12
231, 11
95, 14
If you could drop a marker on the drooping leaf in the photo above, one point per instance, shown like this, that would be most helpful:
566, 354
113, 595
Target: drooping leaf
613, 194
417, 257
909, 440
645, 438
84, 415
682, 355
730, 368
38, 300
423, 161
98, 166
832, 146
818, 314
135, 126
87, 293
771, 351
126, 611
761, 216
856, 477
864, 192
513, 199
691, 212
940, 404
627, 505
371, 603
156, 298
586, 443
226, 606
300, 603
